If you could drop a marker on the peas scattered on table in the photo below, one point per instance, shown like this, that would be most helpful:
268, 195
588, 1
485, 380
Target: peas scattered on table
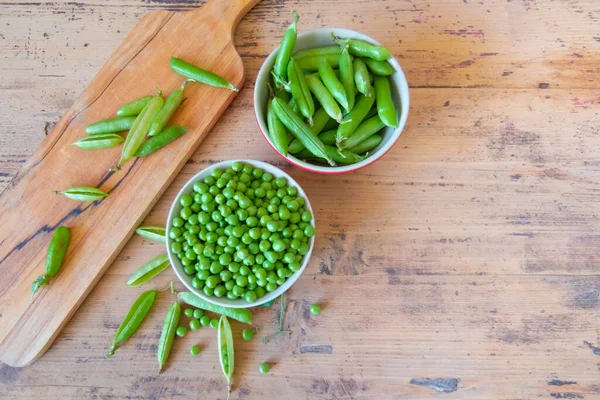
315, 309
194, 324
205, 320
247, 334
181, 331
188, 312
249, 235
214, 323
198, 313
195, 350
264, 368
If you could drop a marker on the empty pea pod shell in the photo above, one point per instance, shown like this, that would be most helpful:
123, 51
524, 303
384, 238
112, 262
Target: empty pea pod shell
136, 314
99, 141
110, 125
168, 335
239, 314
149, 270
83, 193
156, 233
133, 108
225, 338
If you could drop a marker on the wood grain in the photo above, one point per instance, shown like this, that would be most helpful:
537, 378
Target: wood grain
470, 251
99, 230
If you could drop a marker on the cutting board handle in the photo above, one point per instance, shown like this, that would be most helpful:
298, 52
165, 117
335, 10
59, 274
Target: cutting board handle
233, 10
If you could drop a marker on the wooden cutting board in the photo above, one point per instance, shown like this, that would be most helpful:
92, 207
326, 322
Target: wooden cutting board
29, 212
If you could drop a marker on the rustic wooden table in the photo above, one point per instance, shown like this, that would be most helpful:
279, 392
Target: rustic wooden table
471, 251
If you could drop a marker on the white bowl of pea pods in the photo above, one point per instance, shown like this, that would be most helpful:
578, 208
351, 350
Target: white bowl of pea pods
318, 38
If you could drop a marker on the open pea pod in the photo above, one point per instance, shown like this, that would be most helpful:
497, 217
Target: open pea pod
149, 270
225, 341
156, 233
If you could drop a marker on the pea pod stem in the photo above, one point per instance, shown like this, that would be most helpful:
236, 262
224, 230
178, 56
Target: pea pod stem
239, 314
135, 316
54, 257
99, 141
198, 74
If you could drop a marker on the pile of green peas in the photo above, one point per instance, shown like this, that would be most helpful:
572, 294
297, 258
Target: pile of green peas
241, 233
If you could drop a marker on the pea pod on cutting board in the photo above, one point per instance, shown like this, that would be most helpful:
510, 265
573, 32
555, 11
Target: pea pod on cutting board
151, 269
286, 48
385, 105
133, 108
136, 314
198, 74
168, 335
156, 233
99, 141
239, 314
112, 125
82, 193
54, 257
166, 112
367, 145
159, 141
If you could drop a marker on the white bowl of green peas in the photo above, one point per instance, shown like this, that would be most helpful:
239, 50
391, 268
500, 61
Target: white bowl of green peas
240, 233
368, 138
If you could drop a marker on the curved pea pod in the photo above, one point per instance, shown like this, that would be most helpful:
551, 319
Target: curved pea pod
300, 129
285, 49
339, 156
366, 145
300, 91
324, 97
361, 77
139, 130
368, 128
110, 125
311, 63
277, 131
385, 105
83, 193
156, 233
198, 74
347, 77
149, 270
54, 257
225, 340
166, 112
317, 51
355, 117
363, 49
159, 141
99, 141
133, 108
320, 119
136, 314
333, 84
239, 314
168, 335
381, 68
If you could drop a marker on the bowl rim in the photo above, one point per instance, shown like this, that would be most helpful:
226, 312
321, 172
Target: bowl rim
327, 170
176, 263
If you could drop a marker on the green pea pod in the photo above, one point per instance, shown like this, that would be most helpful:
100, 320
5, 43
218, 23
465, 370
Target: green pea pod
361, 77
318, 51
293, 105
331, 124
200, 75
166, 112
328, 137
299, 129
156, 233
339, 156
83, 193
149, 270
136, 314
347, 77
324, 97
239, 314
285, 49
99, 141
159, 141
366, 145
368, 128
363, 49
139, 131
311, 63
385, 105
333, 84
381, 68
277, 131
110, 125
168, 335
320, 119
300, 91
134, 108
225, 341
278, 91
54, 257
355, 117
372, 112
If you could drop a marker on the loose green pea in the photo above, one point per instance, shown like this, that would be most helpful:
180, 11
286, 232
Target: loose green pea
181, 331
264, 368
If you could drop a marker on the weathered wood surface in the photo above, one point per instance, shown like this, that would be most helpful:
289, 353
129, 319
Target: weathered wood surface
470, 251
